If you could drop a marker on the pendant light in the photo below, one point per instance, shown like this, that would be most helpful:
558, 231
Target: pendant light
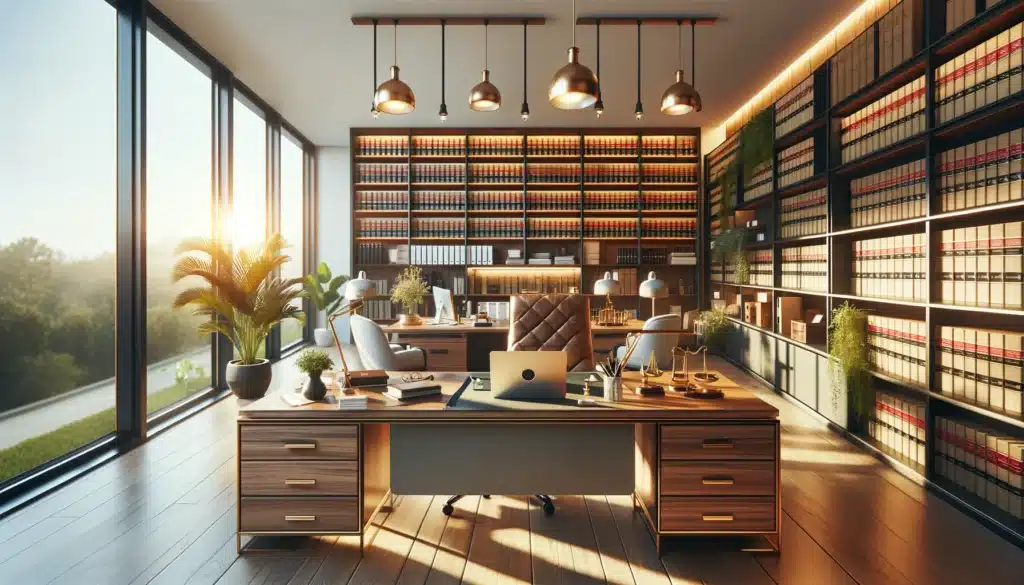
394, 96
681, 98
525, 110
638, 111
373, 102
599, 104
574, 86
485, 97
443, 111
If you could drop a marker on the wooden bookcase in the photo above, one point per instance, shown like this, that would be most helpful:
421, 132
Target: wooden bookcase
585, 193
802, 370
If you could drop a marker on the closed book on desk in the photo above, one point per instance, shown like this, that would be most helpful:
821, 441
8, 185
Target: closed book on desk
413, 390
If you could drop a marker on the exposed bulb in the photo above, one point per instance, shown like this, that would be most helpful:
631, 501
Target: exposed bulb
526, 117
639, 111
443, 112
444, 118
599, 107
525, 111
373, 110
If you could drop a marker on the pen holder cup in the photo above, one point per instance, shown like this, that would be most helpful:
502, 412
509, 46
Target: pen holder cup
613, 388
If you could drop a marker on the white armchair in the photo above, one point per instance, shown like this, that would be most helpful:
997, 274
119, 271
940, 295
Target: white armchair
377, 353
660, 344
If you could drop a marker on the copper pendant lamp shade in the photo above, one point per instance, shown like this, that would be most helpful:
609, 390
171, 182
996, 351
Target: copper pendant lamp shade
681, 97
484, 96
574, 86
394, 96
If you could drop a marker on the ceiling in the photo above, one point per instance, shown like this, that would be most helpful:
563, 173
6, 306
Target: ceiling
306, 59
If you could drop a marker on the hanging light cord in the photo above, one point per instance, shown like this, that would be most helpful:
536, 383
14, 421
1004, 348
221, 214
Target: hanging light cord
524, 61
693, 53
442, 61
679, 29
395, 48
574, 23
486, 52
638, 61
374, 54
599, 55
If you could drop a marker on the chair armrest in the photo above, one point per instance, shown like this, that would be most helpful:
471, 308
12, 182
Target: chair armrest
398, 346
411, 360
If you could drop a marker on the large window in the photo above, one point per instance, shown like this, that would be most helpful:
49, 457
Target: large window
179, 199
292, 224
58, 197
249, 216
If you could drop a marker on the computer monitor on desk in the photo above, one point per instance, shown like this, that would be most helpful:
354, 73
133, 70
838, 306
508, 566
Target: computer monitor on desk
444, 307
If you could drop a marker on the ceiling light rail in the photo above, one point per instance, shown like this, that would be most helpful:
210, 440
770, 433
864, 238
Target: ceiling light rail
449, 20
659, 20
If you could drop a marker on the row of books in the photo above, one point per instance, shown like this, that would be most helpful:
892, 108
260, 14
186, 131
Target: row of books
495, 146
610, 228
759, 182
443, 145
983, 461
984, 74
553, 200
982, 173
496, 173
438, 228
891, 195
899, 34
898, 424
496, 228
899, 348
959, 12
453, 282
377, 253
378, 310
804, 215
669, 200
381, 285
805, 268
981, 366
382, 173
439, 201
490, 282
382, 228
981, 266
760, 267
886, 121
715, 200
668, 228
382, 201
796, 108
383, 145
890, 268
553, 228
555, 145
853, 66
720, 158
496, 201
455, 173
796, 163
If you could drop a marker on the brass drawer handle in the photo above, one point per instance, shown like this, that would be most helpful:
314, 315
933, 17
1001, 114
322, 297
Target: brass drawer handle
300, 445
718, 444
717, 517
300, 482
717, 481
300, 518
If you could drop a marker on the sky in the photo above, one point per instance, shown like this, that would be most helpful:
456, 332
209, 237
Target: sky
58, 156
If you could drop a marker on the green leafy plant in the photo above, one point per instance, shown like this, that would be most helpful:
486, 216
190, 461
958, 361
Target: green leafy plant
757, 141
848, 348
715, 324
409, 289
322, 288
244, 298
313, 361
742, 269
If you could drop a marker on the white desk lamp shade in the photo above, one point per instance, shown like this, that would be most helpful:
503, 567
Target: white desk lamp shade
607, 285
653, 289
360, 287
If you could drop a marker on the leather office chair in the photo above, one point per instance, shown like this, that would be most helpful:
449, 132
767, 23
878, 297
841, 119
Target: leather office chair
553, 322
377, 354
660, 345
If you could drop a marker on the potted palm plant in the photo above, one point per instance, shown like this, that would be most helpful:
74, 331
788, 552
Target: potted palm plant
323, 289
409, 290
243, 299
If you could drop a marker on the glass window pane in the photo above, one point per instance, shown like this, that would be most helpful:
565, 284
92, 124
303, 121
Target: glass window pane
249, 217
291, 224
58, 198
178, 206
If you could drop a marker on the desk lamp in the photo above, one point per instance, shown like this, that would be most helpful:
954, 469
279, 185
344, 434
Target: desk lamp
608, 315
352, 379
359, 288
653, 289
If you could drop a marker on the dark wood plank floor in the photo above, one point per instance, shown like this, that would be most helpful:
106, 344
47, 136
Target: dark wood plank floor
164, 514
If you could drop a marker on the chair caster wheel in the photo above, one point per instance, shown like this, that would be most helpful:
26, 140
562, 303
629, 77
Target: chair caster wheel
486, 496
549, 508
447, 510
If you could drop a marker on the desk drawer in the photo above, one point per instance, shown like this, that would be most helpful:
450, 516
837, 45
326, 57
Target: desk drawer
303, 514
718, 478
295, 478
718, 514
284, 442
718, 442
443, 355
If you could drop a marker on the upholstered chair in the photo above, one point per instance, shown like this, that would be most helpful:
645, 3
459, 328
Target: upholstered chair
377, 354
660, 344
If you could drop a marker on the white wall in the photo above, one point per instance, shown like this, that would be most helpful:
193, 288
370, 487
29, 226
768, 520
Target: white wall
334, 217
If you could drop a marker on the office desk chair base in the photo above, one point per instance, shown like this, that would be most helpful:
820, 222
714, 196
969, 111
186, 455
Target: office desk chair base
549, 506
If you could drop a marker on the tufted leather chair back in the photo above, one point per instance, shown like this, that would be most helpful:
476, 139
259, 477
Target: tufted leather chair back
554, 322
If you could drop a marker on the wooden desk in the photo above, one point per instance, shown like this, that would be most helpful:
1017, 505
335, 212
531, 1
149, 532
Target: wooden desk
708, 467
460, 348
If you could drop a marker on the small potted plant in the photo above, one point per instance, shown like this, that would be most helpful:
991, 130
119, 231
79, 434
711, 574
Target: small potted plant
714, 325
313, 362
243, 300
324, 290
850, 365
409, 290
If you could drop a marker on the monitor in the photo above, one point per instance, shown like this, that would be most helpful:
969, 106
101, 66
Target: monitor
444, 307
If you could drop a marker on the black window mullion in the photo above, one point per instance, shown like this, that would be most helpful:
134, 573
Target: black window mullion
223, 194
310, 232
273, 153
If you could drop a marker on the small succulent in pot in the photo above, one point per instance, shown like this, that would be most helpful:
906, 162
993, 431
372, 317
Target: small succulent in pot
313, 362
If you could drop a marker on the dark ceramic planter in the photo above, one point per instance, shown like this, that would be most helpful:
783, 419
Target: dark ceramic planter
314, 389
249, 382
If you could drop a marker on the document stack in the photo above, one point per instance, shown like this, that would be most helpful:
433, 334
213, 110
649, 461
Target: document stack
898, 348
796, 163
981, 366
899, 425
352, 402
891, 195
981, 75
890, 268
567, 260
795, 109
681, 257
981, 266
982, 173
539, 259
981, 460
804, 215
514, 257
884, 122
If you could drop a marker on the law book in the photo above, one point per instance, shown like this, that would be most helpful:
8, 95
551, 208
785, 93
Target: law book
997, 369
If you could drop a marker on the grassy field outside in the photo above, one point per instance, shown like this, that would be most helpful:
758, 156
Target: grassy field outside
38, 450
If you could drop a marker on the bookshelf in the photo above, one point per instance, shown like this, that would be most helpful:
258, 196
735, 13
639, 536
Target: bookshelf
902, 211
457, 202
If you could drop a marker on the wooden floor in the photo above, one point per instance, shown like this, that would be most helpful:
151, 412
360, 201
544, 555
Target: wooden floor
164, 514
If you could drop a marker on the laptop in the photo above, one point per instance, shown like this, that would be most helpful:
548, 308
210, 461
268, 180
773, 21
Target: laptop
528, 375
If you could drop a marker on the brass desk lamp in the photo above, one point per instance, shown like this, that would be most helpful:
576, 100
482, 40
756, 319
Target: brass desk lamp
353, 379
